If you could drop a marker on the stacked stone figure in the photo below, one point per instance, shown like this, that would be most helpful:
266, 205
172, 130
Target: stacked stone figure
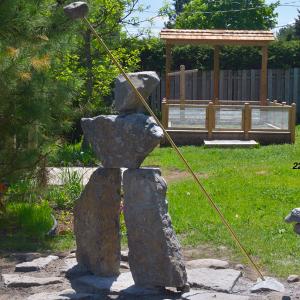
124, 141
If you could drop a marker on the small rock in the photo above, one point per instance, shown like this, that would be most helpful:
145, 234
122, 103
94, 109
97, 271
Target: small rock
239, 267
36, 264
207, 263
218, 280
297, 228
205, 295
124, 265
122, 141
269, 284
293, 216
124, 255
125, 99
293, 278
63, 295
18, 280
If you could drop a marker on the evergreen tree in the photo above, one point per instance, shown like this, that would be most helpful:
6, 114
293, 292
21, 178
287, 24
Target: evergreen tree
34, 101
297, 26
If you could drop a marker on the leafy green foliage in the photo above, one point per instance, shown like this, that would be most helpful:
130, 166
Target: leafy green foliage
297, 26
71, 155
224, 14
64, 197
281, 55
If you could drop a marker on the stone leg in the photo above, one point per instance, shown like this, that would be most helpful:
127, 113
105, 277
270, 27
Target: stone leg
96, 223
155, 257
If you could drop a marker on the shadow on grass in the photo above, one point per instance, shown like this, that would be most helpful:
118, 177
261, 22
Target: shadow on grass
21, 243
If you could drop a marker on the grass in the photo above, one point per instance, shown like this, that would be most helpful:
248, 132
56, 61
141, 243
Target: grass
254, 188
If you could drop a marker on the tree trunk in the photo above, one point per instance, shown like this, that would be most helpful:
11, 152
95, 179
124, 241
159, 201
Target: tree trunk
89, 65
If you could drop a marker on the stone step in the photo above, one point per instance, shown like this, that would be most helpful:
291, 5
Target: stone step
230, 144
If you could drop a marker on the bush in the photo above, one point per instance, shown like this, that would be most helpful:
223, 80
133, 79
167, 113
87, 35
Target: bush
64, 197
72, 155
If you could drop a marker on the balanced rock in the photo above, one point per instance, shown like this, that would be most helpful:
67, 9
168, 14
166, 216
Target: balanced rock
122, 141
96, 223
126, 100
155, 256
293, 216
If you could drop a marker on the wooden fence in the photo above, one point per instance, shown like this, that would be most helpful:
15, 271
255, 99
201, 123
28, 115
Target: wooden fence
283, 86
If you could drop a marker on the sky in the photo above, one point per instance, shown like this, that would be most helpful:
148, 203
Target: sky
286, 14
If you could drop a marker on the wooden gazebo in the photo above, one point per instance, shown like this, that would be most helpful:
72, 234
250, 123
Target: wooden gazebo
217, 38
251, 119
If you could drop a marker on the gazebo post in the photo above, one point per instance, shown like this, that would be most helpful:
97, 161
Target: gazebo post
168, 69
216, 73
264, 76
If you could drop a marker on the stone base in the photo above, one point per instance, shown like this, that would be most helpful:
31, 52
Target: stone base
96, 223
155, 257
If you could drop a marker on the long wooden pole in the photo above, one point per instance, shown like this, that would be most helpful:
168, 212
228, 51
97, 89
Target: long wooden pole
216, 74
170, 140
168, 70
264, 76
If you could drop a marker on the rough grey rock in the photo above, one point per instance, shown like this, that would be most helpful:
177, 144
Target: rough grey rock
122, 141
270, 284
217, 280
18, 280
72, 269
239, 267
76, 10
96, 223
155, 256
293, 216
297, 228
62, 295
207, 263
293, 278
122, 284
36, 264
204, 295
125, 98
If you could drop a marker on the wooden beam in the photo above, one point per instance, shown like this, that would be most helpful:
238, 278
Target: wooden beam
165, 113
182, 86
216, 74
168, 69
292, 122
264, 77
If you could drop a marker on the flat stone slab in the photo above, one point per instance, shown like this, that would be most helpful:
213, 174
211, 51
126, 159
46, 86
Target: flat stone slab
72, 269
18, 280
123, 284
270, 284
230, 143
36, 264
217, 280
204, 295
63, 295
207, 263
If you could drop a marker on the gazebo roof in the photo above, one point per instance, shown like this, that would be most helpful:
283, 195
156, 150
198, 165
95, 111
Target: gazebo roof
217, 37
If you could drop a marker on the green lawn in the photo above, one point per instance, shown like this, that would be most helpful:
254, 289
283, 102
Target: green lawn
255, 189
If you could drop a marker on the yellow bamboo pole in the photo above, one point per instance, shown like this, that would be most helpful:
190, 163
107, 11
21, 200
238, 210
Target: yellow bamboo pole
170, 140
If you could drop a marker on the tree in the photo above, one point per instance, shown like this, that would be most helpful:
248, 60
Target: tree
227, 14
35, 104
297, 26
286, 33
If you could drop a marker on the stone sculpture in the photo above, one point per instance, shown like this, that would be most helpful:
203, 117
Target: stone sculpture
294, 217
124, 141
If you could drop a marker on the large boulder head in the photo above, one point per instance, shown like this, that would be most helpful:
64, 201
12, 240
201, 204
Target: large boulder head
126, 101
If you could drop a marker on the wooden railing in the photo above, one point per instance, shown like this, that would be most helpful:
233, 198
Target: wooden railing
245, 116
